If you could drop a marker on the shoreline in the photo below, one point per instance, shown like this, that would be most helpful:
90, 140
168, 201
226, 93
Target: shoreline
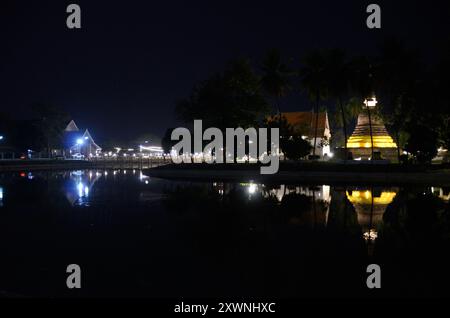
289, 172
310, 173
53, 164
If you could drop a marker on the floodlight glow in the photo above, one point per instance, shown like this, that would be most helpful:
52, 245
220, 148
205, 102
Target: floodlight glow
80, 141
371, 102
252, 188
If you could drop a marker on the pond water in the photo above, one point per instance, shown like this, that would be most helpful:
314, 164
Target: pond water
135, 236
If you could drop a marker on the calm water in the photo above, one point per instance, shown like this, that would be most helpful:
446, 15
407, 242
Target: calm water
139, 236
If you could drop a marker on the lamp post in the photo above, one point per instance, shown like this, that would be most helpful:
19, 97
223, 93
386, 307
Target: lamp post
370, 103
1, 154
90, 146
80, 142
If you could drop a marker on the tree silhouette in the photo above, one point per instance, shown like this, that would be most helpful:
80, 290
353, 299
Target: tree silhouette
50, 122
276, 78
312, 74
229, 99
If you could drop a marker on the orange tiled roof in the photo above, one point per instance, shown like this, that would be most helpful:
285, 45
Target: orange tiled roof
304, 122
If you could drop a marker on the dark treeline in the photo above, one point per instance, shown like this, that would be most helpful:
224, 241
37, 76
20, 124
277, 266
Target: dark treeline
41, 133
411, 93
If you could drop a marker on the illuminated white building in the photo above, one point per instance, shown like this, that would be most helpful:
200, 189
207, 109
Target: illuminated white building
79, 144
304, 124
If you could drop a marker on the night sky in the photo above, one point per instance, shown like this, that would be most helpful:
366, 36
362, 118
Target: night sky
121, 74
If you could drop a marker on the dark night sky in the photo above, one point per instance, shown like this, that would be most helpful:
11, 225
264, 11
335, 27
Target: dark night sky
121, 74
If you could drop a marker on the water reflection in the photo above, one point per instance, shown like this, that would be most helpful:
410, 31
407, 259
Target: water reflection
78, 185
321, 193
441, 193
170, 237
370, 205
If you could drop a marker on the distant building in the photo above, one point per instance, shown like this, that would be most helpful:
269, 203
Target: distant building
304, 124
77, 143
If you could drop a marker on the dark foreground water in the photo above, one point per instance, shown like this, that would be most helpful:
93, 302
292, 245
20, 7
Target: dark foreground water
138, 236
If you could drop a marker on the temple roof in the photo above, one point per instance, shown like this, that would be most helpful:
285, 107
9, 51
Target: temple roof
303, 123
72, 133
71, 126
91, 140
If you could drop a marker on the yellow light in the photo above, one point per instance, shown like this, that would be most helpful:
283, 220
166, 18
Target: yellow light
365, 142
365, 197
370, 235
371, 102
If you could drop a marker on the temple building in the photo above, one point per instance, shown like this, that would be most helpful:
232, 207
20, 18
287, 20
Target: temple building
359, 143
304, 123
78, 144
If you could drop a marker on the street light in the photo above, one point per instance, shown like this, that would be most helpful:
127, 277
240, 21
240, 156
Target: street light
371, 102
1, 137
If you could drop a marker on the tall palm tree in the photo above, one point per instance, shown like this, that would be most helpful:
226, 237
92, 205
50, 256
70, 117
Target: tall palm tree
312, 74
362, 84
337, 83
397, 73
276, 78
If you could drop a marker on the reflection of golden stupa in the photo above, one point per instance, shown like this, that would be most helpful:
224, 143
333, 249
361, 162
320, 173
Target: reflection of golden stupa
359, 142
370, 215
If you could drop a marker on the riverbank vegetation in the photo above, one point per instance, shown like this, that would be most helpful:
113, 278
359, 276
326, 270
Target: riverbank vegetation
411, 94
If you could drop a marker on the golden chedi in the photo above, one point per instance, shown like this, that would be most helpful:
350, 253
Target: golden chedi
360, 142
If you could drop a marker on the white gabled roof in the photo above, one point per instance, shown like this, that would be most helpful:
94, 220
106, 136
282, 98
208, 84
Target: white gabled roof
71, 126
88, 135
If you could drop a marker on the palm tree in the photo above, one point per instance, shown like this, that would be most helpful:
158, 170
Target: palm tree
362, 83
337, 83
276, 78
397, 73
312, 75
